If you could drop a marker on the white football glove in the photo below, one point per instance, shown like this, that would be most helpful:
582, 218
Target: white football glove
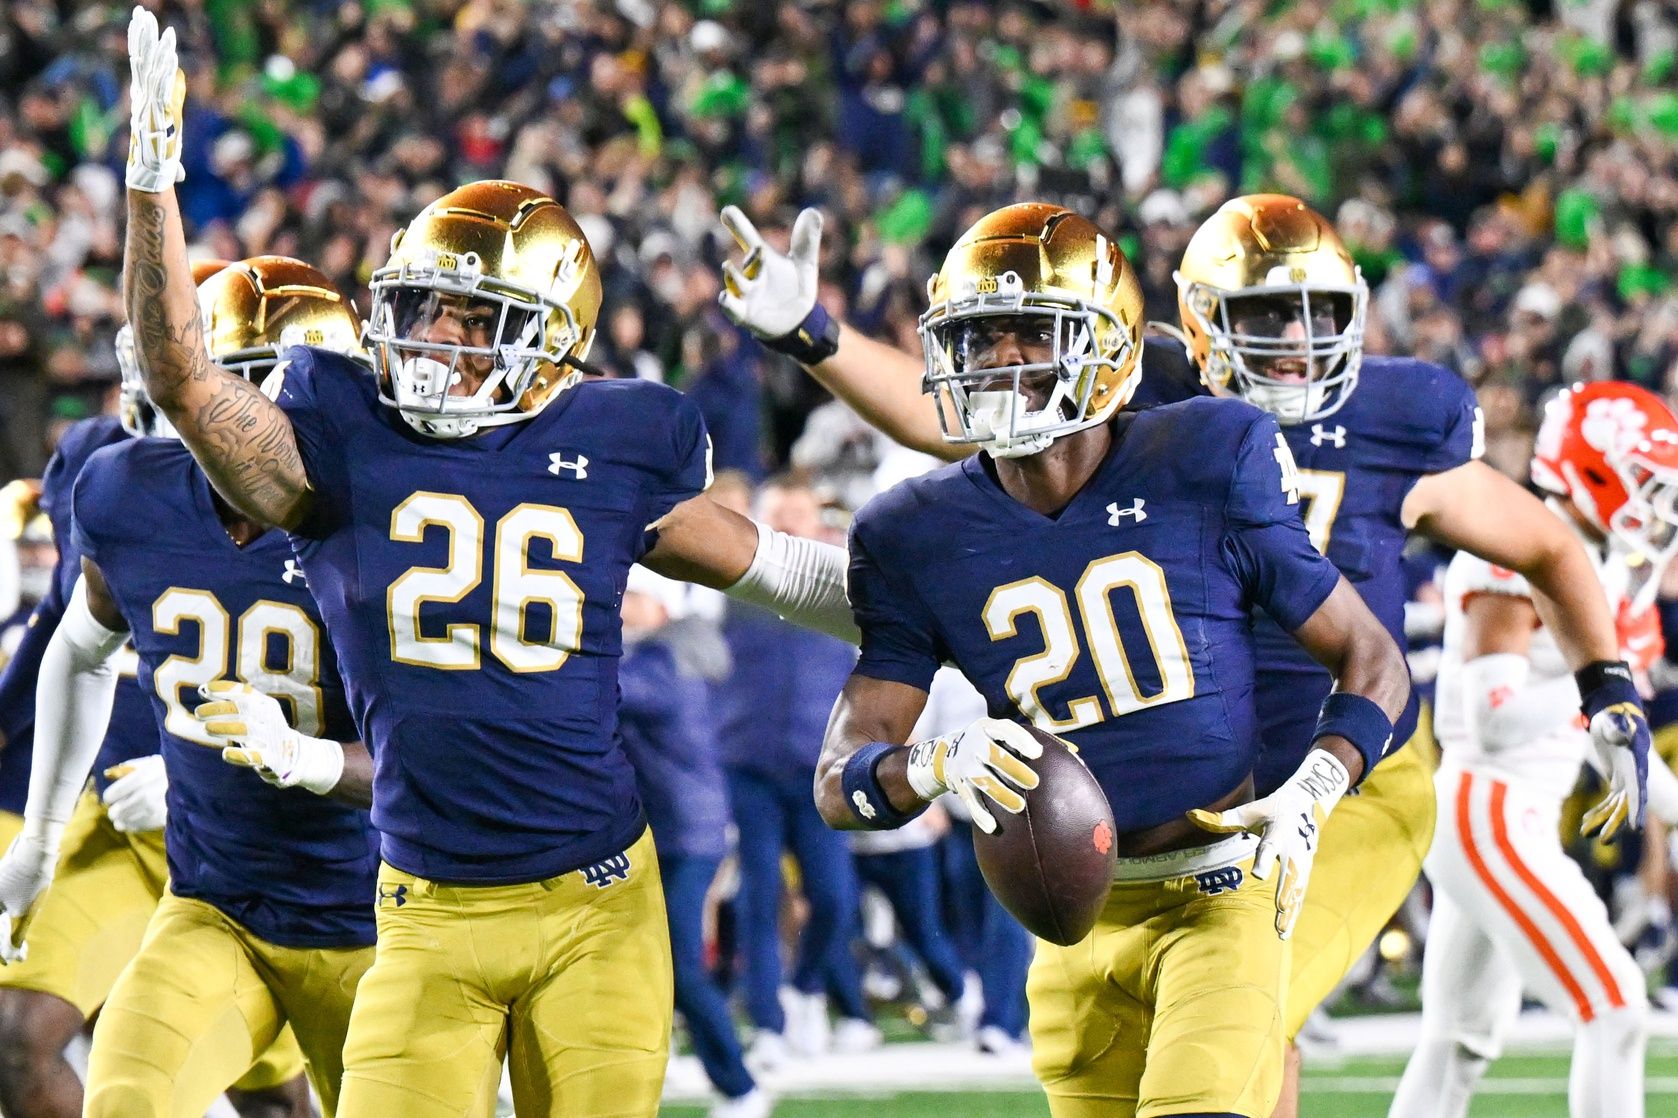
156, 92
25, 873
985, 761
135, 800
254, 733
771, 292
1289, 824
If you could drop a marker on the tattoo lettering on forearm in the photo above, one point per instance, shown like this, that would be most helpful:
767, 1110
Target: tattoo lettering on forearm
246, 445
242, 439
169, 356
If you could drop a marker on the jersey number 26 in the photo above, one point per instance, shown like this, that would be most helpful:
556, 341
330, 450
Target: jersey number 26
514, 586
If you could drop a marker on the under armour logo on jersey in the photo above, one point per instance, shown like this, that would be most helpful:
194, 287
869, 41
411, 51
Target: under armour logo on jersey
395, 895
294, 570
1116, 515
863, 807
579, 468
1224, 879
1321, 435
607, 870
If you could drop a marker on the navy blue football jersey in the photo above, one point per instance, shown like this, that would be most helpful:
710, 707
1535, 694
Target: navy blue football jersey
1406, 419
1123, 623
297, 869
472, 589
131, 733
16, 753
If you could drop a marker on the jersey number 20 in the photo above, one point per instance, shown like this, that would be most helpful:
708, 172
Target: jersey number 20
1130, 571
515, 587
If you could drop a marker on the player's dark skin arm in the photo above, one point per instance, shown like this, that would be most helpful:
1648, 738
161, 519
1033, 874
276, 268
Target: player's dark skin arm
871, 710
243, 440
100, 601
1347, 639
701, 541
355, 787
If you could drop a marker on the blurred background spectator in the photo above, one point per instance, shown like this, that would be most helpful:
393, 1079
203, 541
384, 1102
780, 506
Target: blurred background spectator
1506, 172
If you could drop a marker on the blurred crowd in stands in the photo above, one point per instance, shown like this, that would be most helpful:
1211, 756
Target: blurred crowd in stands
1504, 171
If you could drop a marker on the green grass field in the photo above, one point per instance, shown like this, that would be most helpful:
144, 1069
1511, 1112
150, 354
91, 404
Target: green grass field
1526, 1086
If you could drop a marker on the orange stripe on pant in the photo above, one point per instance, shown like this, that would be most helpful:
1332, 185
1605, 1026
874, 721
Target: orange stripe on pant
1548, 953
1593, 958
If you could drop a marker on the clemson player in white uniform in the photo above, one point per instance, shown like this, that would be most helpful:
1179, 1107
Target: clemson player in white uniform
1512, 911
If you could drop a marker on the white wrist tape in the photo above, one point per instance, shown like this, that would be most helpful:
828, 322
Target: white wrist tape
1505, 709
320, 764
73, 697
802, 580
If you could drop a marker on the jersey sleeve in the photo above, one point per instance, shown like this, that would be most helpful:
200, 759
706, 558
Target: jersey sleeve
688, 469
294, 385
1265, 539
900, 640
690, 472
92, 506
1462, 425
17, 681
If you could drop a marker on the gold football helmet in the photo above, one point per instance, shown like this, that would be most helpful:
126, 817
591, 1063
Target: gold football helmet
485, 310
1034, 332
135, 410
1273, 307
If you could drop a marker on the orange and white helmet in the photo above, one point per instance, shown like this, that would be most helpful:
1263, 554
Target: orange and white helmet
1612, 449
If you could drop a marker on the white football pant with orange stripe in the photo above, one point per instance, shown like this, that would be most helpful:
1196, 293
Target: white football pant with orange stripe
1513, 912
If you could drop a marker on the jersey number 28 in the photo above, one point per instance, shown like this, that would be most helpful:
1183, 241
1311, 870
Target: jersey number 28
245, 649
514, 586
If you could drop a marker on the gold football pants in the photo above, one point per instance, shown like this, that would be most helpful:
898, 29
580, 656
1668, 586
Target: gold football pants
202, 998
570, 978
1173, 1004
1368, 861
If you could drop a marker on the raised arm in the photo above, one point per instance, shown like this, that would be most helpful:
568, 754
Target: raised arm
773, 294
1475, 508
242, 439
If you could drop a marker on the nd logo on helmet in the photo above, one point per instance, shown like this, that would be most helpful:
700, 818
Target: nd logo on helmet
987, 285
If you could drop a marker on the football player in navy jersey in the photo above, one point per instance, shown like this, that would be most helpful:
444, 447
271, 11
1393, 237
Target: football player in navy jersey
466, 519
112, 868
1093, 572
1272, 309
266, 921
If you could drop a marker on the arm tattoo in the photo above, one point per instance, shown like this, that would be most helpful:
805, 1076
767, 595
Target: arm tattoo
243, 440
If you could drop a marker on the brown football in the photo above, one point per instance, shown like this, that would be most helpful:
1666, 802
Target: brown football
1052, 864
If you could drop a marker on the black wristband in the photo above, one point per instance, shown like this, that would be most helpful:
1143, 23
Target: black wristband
1602, 683
812, 341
